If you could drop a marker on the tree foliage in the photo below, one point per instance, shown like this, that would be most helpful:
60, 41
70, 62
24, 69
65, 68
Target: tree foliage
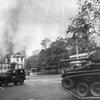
85, 24
50, 58
31, 62
45, 43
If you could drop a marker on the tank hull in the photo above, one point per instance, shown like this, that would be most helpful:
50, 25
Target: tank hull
84, 83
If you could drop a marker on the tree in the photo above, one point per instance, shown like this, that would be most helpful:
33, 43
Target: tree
49, 58
42, 55
42, 59
83, 25
57, 52
45, 43
31, 62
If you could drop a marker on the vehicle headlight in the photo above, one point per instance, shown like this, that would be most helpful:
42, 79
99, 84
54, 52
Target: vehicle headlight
14, 77
14, 71
21, 71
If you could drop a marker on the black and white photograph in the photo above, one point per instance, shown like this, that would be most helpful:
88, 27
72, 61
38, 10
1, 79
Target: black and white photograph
49, 49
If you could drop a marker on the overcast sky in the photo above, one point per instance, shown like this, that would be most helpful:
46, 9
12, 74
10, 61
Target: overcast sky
27, 22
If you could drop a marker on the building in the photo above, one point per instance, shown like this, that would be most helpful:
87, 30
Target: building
18, 59
14, 61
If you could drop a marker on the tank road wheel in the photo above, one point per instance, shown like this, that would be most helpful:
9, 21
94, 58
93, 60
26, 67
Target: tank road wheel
82, 89
67, 82
95, 89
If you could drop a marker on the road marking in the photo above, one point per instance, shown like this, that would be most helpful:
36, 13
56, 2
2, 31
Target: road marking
2, 88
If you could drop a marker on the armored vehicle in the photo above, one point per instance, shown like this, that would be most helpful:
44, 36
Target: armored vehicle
82, 76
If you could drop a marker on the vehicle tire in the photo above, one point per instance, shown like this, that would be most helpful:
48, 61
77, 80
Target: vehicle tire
0, 84
95, 89
4, 84
67, 83
15, 83
21, 82
82, 89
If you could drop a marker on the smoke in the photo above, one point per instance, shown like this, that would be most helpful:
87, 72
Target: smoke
6, 26
10, 32
10, 18
24, 23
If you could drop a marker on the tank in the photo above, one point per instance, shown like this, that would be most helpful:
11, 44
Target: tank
81, 76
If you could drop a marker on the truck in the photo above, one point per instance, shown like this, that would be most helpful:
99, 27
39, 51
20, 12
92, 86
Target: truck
12, 71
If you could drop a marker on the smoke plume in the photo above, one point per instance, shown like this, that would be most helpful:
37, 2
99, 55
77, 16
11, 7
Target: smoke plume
24, 23
11, 16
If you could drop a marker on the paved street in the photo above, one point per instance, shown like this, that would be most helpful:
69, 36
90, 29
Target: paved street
36, 88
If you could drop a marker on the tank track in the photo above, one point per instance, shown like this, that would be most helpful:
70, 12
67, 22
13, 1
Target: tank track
74, 94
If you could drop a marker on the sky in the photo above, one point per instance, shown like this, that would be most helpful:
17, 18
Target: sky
26, 22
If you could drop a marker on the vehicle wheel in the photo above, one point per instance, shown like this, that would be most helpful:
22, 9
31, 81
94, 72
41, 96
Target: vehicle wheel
82, 89
67, 82
5, 84
21, 82
95, 89
15, 83
0, 84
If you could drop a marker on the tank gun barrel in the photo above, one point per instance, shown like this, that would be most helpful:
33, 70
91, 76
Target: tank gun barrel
80, 59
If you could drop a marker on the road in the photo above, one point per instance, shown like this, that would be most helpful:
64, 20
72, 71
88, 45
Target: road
36, 88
